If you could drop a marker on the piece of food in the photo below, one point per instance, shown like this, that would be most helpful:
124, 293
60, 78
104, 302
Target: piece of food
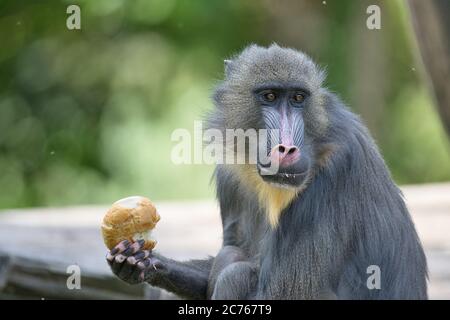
131, 219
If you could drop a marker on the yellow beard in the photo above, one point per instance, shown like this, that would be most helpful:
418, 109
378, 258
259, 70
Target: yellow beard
273, 199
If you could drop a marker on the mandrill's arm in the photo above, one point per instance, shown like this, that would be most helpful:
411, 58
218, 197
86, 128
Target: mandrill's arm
133, 265
188, 279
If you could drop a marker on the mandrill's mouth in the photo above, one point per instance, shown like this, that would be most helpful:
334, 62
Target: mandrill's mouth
286, 167
282, 179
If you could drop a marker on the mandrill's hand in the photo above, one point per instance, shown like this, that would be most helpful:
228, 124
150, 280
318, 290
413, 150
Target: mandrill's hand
132, 264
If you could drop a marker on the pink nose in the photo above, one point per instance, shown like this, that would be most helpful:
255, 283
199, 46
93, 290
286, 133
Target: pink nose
285, 155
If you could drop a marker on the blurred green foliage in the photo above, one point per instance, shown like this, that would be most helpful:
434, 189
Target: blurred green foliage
86, 115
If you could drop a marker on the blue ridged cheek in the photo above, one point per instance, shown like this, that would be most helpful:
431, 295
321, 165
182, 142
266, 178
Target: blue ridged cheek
288, 122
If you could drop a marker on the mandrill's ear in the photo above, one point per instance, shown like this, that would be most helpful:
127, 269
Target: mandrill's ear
228, 66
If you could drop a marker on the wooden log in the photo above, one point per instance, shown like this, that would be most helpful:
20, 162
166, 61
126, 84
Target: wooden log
26, 278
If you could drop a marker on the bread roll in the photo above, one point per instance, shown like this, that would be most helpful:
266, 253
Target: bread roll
130, 219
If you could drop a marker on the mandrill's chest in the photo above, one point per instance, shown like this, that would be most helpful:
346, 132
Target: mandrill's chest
251, 229
255, 228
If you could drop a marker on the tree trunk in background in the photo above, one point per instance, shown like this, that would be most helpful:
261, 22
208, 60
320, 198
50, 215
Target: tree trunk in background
432, 27
370, 74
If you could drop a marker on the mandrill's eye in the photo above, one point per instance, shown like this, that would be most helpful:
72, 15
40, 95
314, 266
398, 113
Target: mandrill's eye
269, 96
299, 97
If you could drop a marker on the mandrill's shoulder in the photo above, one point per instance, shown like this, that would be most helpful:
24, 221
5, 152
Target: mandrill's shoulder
229, 190
355, 163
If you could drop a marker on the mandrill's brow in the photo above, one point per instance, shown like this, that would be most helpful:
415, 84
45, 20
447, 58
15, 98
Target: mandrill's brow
279, 86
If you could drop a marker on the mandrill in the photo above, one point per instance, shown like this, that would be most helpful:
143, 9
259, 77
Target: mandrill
317, 226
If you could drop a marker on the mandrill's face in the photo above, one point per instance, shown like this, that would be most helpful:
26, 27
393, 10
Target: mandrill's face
289, 157
265, 90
